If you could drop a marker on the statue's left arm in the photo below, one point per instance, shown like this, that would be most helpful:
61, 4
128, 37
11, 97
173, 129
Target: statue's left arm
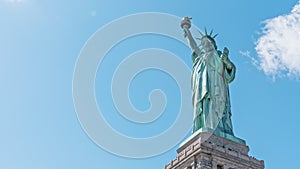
229, 66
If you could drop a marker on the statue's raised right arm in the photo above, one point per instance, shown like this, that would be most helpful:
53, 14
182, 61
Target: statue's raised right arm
185, 25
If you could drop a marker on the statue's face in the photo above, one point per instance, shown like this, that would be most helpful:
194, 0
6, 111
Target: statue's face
206, 44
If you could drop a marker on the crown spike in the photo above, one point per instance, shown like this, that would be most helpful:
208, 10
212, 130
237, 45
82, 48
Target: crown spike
215, 36
210, 34
205, 30
200, 33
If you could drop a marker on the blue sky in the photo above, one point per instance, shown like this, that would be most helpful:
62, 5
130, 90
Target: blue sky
41, 42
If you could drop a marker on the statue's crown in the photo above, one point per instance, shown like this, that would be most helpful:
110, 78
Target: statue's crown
209, 36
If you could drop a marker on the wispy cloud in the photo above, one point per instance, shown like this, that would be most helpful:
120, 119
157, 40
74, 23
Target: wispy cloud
247, 54
278, 48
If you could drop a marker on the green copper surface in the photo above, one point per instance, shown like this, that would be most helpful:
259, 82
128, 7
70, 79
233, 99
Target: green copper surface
211, 74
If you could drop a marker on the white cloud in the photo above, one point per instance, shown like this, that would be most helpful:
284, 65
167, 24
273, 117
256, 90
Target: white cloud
278, 48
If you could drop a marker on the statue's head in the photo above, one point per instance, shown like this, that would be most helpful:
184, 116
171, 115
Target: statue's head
207, 40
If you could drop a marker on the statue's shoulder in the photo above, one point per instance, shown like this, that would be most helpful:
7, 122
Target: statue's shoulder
197, 56
201, 54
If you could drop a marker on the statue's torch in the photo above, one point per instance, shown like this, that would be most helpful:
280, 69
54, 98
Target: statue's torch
186, 23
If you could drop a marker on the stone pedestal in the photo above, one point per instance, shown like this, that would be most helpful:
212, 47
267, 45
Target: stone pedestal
204, 150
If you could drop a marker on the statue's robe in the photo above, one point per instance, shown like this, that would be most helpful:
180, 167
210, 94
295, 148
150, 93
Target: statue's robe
210, 79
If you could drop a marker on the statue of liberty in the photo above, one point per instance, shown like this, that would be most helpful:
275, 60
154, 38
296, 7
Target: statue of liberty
211, 74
